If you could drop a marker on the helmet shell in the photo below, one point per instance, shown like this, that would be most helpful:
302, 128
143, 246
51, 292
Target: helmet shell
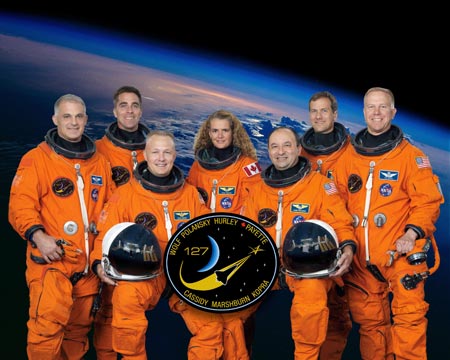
310, 250
131, 252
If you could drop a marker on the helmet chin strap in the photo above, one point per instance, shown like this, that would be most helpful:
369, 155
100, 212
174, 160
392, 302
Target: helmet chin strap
80, 185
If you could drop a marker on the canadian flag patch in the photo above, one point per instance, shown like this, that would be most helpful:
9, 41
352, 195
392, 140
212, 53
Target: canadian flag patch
252, 169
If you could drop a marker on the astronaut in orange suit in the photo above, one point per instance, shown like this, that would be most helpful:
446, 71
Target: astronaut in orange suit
123, 145
224, 169
158, 198
291, 193
395, 198
323, 144
124, 141
57, 193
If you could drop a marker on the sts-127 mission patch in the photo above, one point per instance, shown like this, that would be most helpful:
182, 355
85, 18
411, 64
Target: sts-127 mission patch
221, 262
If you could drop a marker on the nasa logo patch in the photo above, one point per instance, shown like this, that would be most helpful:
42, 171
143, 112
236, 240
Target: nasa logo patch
226, 202
385, 190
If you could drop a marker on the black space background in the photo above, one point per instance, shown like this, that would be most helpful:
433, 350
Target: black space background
350, 48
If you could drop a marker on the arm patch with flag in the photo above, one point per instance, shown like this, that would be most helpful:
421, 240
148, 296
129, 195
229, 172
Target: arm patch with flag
423, 162
252, 169
330, 188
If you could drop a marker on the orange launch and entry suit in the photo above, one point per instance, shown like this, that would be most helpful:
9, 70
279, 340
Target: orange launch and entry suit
324, 158
123, 155
47, 193
161, 208
224, 185
279, 204
389, 188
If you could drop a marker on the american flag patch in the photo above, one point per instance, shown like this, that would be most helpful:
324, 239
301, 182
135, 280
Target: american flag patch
252, 169
423, 162
330, 188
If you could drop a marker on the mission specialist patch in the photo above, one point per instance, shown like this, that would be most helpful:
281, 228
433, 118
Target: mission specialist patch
221, 262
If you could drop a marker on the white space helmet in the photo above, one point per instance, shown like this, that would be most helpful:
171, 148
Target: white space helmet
131, 252
310, 250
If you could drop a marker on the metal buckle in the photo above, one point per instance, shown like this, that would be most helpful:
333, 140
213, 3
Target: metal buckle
410, 282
